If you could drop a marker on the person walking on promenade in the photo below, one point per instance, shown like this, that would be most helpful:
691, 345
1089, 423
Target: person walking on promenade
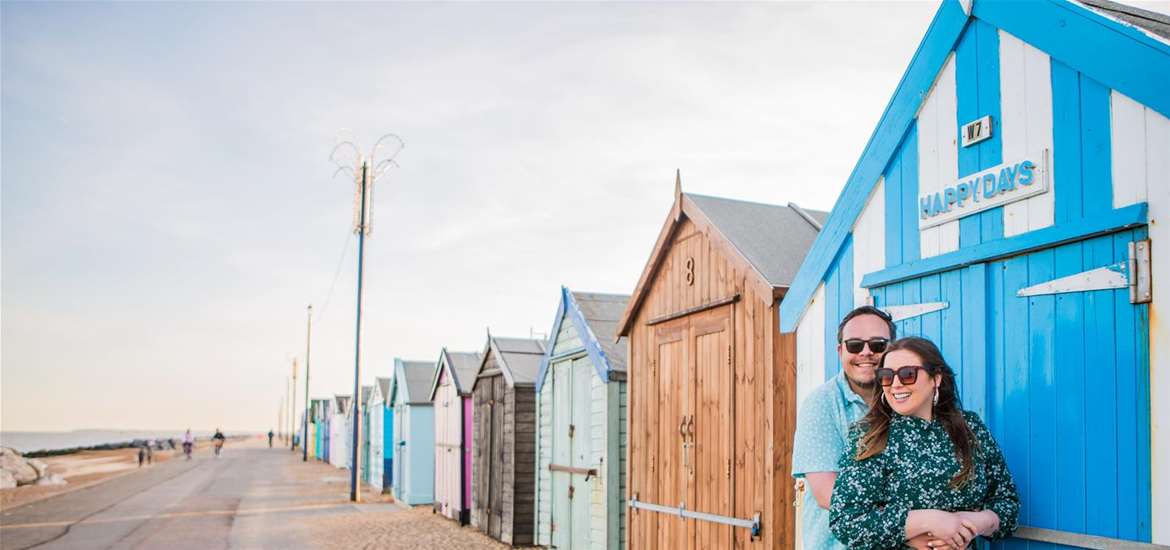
918, 464
270, 434
218, 439
150, 451
141, 455
188, 443
822, 425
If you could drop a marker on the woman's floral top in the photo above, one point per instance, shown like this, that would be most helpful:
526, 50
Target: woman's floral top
872, 497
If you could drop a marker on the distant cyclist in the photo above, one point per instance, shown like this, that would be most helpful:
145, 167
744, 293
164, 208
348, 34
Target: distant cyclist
188, 443
218, 439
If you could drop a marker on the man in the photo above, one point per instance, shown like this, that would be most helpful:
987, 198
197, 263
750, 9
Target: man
270, 434
822, 426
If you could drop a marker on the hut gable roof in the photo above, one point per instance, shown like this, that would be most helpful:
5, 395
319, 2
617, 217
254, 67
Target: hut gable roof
341, 402
367, 394
1121, 47
461, 366
519, 358
596, 317
383, 388
412, 378
769, 240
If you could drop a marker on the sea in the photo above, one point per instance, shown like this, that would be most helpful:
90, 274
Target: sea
49, 441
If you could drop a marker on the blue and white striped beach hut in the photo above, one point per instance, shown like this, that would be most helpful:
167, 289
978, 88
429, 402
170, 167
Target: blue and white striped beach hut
1007, 206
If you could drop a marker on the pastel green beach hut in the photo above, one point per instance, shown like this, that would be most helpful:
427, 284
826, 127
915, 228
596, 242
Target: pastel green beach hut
581, 426
414, 432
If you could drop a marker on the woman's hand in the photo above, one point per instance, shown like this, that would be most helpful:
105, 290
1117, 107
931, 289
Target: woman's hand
986, 522
946, 527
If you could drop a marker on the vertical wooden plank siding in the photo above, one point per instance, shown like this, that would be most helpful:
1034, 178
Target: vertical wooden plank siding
721, 367
544, 445
838, 302
937, 158
1051, 374
977, 91
1026, 109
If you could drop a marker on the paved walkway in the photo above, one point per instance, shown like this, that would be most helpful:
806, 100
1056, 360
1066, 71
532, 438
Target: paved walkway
251, 497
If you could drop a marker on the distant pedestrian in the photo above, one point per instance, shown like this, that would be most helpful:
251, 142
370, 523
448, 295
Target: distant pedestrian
270, 434
188, 443
150, 451
141, 455
218, 439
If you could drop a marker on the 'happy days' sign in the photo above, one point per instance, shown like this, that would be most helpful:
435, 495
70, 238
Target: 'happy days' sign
1006, 183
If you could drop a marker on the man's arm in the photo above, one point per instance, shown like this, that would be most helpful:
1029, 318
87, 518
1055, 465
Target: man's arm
821, 485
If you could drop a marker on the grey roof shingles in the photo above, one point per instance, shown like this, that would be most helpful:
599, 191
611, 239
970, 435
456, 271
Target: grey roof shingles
774, 239
602, 312
463, 365
384, 386
521, 356
1153, 22
418, 380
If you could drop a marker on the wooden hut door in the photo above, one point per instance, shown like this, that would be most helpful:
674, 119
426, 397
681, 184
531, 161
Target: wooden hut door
714, 419
674, 410
496, 460
580, 442
562, 536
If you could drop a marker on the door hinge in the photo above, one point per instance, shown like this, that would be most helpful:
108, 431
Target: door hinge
572, 429
729, 468
728, 356
571, 489
1140, 291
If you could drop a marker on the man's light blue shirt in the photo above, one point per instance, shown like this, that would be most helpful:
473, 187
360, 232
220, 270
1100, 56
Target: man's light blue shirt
822, 431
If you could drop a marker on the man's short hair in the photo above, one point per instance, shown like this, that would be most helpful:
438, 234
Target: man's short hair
866, 310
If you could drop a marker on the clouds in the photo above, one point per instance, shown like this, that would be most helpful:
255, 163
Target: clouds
168, 209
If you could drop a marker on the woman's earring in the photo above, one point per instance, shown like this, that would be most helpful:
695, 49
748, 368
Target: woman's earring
936, 396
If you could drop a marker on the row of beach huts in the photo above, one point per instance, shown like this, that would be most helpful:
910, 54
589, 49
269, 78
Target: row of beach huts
1012, 205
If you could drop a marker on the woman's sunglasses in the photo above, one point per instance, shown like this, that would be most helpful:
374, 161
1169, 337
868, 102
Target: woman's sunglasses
908, 375
876, 345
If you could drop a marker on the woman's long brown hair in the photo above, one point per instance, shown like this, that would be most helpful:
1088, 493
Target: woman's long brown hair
947, 412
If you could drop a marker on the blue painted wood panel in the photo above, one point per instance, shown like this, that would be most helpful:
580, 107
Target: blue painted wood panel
1082, 163
976, 96
1061, 380
901, 196
838, 302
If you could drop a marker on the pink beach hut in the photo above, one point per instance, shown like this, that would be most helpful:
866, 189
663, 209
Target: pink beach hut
451, 400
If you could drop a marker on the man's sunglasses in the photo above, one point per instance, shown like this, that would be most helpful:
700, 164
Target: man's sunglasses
876, 345
908, 375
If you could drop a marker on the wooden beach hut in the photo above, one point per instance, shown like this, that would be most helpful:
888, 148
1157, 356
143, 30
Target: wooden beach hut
712, 384
414, 432
581, 426
451, 397
339, 440
378, 431
504, 455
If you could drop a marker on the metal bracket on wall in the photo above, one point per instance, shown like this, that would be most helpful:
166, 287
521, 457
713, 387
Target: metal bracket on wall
1133, 274
907, 311
681, 511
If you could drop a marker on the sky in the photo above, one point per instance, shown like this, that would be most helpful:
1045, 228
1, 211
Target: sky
168, 208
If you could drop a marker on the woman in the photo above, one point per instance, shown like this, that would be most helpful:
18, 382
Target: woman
920, 469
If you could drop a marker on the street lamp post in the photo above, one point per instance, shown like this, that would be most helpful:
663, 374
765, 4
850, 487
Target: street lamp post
308, 347
365, 169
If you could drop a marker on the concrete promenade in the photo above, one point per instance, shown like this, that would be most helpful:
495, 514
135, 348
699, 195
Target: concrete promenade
251, 497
